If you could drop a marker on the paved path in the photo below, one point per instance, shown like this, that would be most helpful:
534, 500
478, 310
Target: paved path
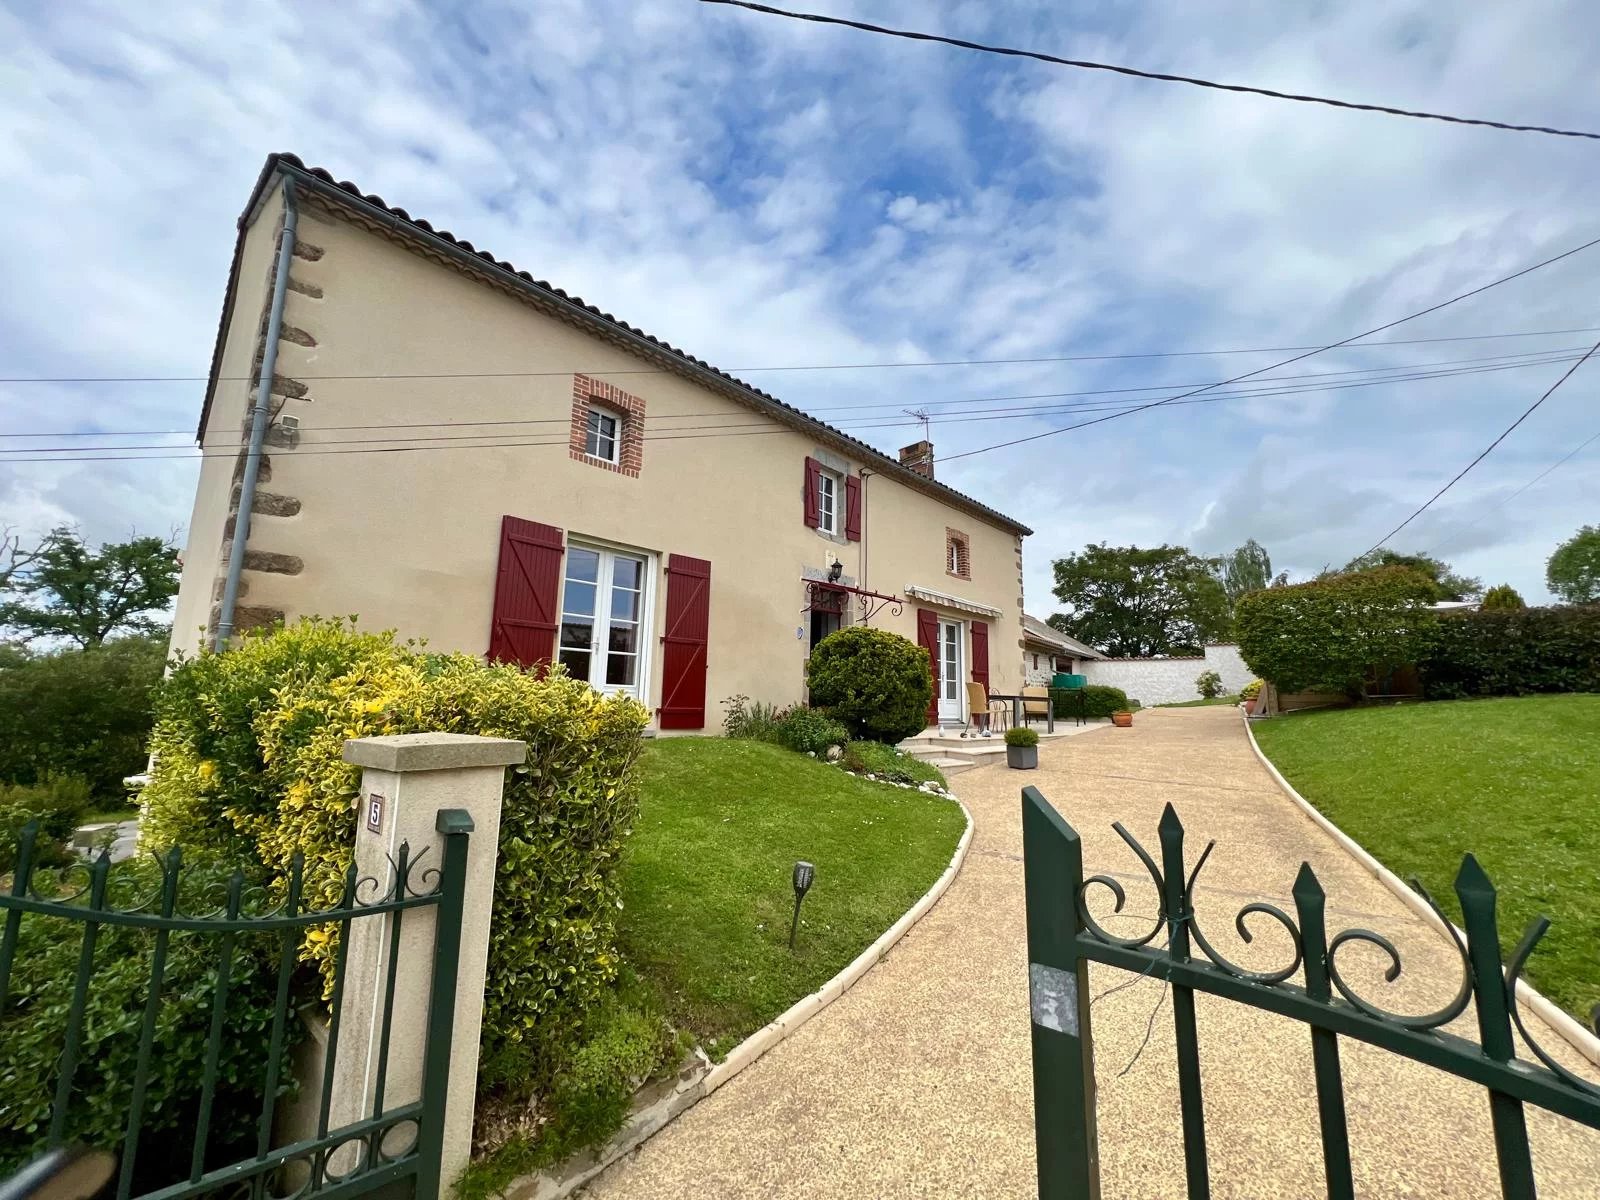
917, 1082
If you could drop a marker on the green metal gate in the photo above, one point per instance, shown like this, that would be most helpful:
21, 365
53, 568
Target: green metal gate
1064, 937
239, 920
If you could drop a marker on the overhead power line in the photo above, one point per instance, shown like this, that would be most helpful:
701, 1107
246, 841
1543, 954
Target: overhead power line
603, 372
1159, 76
1433, 308
952, 409
879, 421
1485, 452
1559, 463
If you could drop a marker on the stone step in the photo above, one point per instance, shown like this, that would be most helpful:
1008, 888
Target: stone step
950, 766
974, 754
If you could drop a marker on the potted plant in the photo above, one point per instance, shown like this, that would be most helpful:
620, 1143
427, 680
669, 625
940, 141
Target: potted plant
1122, 718
1022, 748
1249, 696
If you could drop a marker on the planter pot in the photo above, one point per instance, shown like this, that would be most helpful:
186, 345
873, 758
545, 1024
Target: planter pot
1250, 706
1122, 720
1022, 758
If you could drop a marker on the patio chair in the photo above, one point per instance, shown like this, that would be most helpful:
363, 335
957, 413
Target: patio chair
978, 702
1035, 703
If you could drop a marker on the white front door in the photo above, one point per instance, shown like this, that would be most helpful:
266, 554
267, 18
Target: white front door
952, 671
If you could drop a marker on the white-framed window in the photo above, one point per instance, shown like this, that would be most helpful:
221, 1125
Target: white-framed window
828, 490
605, 598
603, 434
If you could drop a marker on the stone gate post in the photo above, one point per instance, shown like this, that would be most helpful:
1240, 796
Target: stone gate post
406, 781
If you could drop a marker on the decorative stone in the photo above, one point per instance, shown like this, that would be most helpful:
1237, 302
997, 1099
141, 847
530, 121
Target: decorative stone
277, 564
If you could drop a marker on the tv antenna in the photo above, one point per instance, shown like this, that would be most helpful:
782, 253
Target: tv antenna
919, 414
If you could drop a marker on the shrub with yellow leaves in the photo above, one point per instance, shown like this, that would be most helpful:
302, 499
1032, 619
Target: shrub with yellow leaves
248, 770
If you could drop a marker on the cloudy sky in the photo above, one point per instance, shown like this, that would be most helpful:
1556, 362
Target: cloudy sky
770, 194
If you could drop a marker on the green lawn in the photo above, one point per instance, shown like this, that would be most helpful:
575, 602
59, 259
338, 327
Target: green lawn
706, 877
1200, 703
1513, 780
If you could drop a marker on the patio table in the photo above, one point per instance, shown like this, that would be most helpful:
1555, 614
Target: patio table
1016, 708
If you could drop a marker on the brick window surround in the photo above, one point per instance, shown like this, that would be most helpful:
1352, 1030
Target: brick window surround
958, 546
587, 391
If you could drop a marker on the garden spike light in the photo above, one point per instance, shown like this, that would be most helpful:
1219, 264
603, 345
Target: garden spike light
803, 874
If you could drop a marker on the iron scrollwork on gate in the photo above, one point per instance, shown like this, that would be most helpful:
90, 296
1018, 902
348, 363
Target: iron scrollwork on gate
258, 937
1177, 949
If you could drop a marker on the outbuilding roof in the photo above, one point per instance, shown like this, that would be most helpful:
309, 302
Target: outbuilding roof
419, 232
1035, 630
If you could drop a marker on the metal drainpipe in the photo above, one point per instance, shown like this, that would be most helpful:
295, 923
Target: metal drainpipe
865, 475
261, 418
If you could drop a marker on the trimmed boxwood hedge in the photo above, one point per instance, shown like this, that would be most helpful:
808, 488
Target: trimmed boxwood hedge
876, 682
1513, 652
1099, 700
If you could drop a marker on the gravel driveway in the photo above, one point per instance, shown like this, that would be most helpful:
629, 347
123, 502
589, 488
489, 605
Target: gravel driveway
917, 1082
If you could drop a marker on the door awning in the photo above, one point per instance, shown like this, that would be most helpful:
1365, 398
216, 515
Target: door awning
945, 600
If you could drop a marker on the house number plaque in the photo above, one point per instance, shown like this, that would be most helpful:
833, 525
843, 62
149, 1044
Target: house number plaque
375, 813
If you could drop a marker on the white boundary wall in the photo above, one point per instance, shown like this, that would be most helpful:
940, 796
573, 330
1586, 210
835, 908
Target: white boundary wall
1165, 680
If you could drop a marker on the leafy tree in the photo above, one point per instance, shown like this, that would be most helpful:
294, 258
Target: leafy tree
66, 590
1247, 569
13, 558
1332, 631
80, 712
1503, 597
1573, 572
1447, 584
1140, 603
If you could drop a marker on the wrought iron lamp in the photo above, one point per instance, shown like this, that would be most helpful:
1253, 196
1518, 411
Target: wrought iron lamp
836, 570
803, 874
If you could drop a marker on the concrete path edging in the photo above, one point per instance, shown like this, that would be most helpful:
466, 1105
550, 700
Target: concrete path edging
695, 1083
1580, 1039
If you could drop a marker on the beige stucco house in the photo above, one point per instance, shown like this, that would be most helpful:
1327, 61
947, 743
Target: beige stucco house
465, 454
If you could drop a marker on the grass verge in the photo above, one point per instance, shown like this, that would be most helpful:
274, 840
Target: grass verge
1513, 780
1201, 703
706, 877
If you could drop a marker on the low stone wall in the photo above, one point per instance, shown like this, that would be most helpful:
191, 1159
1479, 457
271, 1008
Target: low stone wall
1167, 680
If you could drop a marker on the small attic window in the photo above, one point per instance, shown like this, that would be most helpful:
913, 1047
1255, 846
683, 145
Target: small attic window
957, 554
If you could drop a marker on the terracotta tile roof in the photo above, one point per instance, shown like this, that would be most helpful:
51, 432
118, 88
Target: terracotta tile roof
603, 323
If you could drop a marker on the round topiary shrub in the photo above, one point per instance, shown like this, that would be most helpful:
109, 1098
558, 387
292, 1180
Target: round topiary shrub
877, 683
1022, 736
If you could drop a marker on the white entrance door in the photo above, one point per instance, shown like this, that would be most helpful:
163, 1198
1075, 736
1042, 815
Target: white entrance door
952, 671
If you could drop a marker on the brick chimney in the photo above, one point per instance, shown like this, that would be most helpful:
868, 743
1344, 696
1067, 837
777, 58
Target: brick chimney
919, 457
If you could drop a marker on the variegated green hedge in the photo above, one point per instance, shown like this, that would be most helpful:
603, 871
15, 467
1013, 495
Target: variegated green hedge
248, 769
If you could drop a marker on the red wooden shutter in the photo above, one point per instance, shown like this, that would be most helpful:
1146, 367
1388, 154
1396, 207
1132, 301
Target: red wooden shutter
928, 639
683, 659
813, 504
980, 654
852, 508
523, 628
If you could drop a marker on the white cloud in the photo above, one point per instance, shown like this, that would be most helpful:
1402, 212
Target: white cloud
762, 192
